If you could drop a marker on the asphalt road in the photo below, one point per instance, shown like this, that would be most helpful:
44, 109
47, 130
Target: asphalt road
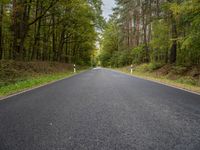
101, 110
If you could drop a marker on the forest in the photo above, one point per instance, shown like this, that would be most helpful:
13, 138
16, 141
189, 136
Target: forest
41, 40
45, 37
152, 31
49, 30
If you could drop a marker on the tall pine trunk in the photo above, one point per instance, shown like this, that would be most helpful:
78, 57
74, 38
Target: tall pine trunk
173, 50
1, 31
54, 37
15, 29
174, 36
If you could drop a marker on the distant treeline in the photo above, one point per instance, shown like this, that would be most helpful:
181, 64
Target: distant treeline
156, 31
49, 30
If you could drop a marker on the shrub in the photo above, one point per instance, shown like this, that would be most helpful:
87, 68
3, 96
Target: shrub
142, 68
155, 66
179, 70
138, 54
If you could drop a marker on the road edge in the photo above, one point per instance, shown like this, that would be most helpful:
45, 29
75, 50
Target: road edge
40, 86
158, 82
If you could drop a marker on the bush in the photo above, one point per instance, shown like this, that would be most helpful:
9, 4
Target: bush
138, 54
120, 58
142, 68
105, 58
13, 71
188, 80
179, 70
148, 67
155, 66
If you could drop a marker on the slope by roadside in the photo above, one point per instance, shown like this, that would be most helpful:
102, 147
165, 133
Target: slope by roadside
17, 77
183, 82
40, 82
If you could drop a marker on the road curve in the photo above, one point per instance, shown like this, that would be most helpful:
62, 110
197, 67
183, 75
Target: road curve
101, 110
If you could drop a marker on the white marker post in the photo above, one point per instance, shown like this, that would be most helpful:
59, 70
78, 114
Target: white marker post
131, 69
74, 68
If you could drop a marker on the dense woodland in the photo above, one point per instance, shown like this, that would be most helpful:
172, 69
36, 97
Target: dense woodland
152, 31
139, 31
49, 30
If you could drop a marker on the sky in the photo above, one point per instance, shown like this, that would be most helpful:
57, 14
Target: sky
107, 8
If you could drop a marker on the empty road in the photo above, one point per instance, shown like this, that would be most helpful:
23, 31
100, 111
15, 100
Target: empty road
101, 110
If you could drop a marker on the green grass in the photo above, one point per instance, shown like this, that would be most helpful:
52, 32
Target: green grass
31, 82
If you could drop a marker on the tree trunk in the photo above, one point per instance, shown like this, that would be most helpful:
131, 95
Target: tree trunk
34, 48
137, 29
173, 50
21, 12
1, 31
157, 8
61, 43
53, 37
38, 41
15, 30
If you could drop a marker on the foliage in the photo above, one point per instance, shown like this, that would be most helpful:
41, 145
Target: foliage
138, 54
160, 42
105, 58
109, 42
155, 66
54, 30
157, 32
120, 58
190, 44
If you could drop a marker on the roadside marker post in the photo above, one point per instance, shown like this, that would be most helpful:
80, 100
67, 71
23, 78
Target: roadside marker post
131, 69
74, 68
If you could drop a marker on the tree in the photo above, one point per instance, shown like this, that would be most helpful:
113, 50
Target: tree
1, 29
160, 31
55, 30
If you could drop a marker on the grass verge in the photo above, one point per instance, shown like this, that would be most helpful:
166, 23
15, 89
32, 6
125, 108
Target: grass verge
32, 82
179, 83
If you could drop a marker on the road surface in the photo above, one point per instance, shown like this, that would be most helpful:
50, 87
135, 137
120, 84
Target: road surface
101, 110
